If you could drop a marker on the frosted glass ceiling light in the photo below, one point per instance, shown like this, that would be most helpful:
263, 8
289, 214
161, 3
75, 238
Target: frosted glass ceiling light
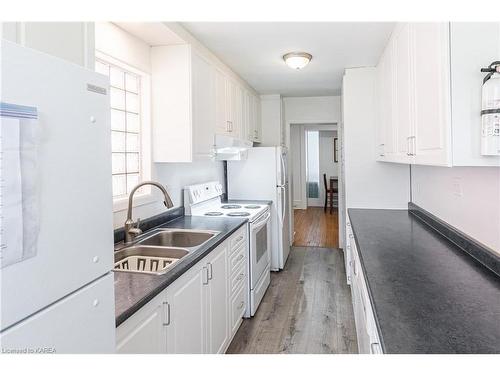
297, 60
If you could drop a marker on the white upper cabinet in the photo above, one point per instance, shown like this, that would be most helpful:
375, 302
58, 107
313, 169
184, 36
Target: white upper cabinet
431, 142
432, 115
403, 86
184, 108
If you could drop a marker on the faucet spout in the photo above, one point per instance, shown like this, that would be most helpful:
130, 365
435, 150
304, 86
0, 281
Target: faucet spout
130, 231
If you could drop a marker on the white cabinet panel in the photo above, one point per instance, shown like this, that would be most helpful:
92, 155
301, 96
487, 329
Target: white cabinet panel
82, 322
145, 331
204, 107
403, 92
184, 104
432, 94
186, 303
217, 302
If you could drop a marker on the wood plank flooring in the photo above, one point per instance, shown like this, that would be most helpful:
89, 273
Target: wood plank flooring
307, 308
314, 227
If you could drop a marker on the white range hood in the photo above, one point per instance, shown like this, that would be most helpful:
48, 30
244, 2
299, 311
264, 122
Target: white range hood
230, 148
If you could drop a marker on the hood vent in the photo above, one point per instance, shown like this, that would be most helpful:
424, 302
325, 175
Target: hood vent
229, 148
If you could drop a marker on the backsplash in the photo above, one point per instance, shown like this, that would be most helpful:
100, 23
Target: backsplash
174, 176
467, 198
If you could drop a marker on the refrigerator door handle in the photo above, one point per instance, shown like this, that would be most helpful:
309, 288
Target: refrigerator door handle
283, 170
282, 203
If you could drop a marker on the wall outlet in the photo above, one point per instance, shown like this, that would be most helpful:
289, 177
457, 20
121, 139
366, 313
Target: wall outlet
456, 187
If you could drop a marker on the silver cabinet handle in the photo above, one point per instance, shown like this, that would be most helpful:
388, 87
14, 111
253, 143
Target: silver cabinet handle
166, 307
240, 257
205, 276
354, 268
240, 276
241, 304
209, 271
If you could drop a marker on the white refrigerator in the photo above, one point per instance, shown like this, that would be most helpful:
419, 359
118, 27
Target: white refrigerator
263, 176
56, 284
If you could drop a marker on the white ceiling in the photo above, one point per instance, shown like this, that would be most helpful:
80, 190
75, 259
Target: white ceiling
254, 50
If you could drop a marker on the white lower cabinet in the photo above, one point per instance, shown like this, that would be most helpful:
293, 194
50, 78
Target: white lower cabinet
197, 313
145, 331
217, 301
366, 328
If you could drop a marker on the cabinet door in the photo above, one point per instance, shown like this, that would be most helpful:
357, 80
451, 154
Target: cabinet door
387, 101
186, 323
432, 93
403, 97
218, 322
221, 119
236, 130
204, 107
230, 104
145, 331
258, 119
251, 117
246, 133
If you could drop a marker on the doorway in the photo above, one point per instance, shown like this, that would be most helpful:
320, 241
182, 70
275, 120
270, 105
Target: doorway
313, 159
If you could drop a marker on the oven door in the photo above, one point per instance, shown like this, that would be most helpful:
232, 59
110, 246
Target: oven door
260, 247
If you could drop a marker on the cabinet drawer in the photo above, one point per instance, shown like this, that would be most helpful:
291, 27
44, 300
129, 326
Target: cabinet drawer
237, 259
238, 306
237, 279
238, 238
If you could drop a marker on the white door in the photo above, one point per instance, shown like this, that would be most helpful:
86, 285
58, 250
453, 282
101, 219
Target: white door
221, 120
204, 107
186, 304
432, 93
386, 101
73, 157
83, 322
145, 331
260, 249
217, 301
403, 93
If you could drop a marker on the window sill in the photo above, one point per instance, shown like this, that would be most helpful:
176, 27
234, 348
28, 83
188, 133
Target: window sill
121, 204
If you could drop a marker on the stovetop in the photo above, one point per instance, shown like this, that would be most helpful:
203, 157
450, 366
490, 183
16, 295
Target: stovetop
243, 210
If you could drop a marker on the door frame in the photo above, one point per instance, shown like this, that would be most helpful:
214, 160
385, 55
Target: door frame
320, 124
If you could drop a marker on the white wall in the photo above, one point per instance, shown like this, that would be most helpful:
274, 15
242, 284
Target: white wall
313, 109
368, 183
271, 120
467, 198
326, 163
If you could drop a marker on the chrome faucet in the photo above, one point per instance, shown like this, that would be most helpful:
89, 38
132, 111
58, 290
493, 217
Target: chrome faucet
132, 229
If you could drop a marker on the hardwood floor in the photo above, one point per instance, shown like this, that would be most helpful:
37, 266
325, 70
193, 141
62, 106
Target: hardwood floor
314, 227
307, 308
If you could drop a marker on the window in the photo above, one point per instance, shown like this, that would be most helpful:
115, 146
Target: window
127, 130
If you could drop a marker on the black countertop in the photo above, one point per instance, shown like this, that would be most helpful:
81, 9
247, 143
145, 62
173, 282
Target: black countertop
428, 295
134, 290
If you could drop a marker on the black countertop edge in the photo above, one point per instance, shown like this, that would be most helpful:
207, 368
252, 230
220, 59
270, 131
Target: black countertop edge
181, 267
368, 288
476, 250
151, 222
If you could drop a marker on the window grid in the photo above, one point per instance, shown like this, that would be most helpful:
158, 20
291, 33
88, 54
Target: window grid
126, 146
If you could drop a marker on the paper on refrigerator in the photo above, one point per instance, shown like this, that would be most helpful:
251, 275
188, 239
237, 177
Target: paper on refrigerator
18, 197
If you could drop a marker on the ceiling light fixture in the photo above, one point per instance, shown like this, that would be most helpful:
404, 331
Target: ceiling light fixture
297, 60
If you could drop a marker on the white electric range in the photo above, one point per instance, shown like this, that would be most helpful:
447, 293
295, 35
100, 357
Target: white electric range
205, 200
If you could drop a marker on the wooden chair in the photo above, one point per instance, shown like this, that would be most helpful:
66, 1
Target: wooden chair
331, 194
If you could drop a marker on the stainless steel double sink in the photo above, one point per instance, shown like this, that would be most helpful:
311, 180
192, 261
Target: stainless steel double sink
155, 252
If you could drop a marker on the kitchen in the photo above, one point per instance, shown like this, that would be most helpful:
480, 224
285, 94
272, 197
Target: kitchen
162, 218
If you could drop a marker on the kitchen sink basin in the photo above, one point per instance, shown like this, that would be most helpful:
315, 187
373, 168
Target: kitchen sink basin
154, 260
178, 238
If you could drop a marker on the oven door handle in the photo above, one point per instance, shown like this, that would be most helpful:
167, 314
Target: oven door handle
257, 225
